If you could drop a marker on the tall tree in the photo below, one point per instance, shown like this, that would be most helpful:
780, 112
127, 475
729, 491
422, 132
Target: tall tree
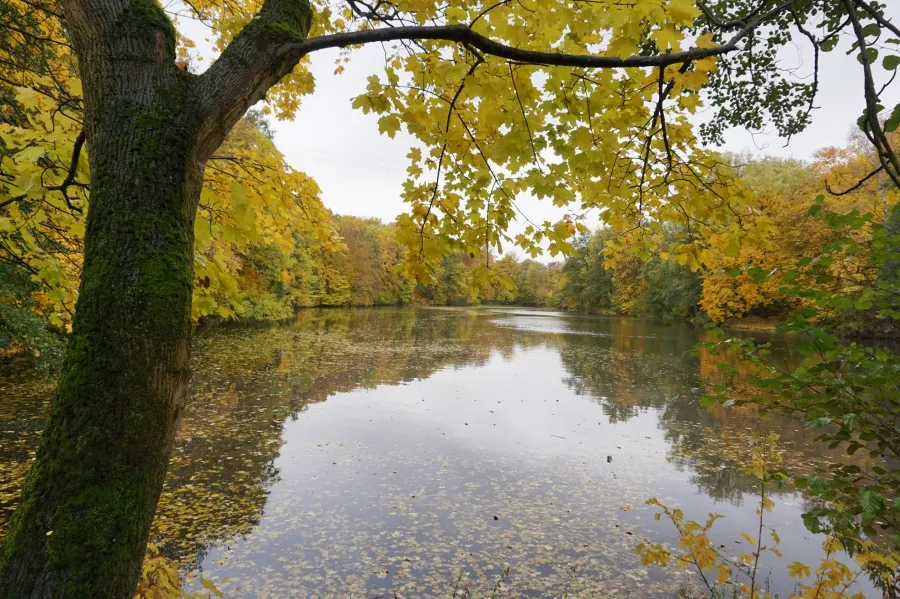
583, 103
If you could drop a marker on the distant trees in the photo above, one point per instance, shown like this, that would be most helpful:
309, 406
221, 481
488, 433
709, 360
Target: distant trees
627, 285
739, 274
588, 283
260, 272
751, 278
367, 270
672, 291
251, 265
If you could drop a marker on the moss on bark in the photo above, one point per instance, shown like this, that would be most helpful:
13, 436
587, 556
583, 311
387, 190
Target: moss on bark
285, 22
147, 18
89, 498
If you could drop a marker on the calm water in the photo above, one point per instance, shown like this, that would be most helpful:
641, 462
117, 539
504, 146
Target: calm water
358, 453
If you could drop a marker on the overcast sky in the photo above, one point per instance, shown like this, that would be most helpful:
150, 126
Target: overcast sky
361, 172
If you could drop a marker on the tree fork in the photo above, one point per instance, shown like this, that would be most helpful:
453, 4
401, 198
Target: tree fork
88, 501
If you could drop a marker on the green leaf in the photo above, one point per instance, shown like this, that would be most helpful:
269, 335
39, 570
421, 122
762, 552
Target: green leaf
863, 121
759, 275
871, 503
811, 521
867, 57
808, 311
890, 62
863, 304
818, 485
708, 402
872, 29
829, 44
893, 121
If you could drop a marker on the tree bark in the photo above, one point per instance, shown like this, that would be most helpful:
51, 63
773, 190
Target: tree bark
90, 496
88, 500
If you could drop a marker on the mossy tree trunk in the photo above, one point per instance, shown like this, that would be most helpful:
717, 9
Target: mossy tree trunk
88, 500
90, 496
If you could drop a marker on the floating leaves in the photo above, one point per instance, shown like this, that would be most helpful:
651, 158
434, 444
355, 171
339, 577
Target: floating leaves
420, 451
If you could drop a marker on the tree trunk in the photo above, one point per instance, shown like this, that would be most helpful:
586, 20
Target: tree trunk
90, 496
88, 500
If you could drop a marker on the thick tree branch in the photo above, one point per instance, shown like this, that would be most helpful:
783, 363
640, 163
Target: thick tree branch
463, 34
258, 57
886, 154
878, 16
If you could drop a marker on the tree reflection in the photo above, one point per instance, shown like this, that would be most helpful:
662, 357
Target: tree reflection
249, 380
640, 366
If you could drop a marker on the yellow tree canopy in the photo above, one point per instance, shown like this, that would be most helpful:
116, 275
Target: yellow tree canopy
250, 195
784, 191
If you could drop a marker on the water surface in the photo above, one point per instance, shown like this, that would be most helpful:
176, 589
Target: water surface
423, 452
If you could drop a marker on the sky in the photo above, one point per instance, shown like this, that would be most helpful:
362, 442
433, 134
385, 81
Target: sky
361, 172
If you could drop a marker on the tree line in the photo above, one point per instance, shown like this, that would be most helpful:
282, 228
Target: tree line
741, 276
250, 266
265, 247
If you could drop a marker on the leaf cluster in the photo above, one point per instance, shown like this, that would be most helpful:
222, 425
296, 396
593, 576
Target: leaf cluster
848, 392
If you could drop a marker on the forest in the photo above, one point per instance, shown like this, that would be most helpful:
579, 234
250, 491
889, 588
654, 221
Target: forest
144, 202
250, 267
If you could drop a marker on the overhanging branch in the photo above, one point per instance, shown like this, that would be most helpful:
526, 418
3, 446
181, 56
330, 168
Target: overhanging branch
274, 42
878, 16
886, 155
463, 34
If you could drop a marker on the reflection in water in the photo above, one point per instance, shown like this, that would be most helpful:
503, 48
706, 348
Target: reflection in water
24, 402
453, 443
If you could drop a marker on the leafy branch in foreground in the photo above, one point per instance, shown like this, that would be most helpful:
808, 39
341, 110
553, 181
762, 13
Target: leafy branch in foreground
847, 391
741, 576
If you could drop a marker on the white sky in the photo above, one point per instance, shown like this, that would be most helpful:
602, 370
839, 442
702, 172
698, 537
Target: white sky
361, 172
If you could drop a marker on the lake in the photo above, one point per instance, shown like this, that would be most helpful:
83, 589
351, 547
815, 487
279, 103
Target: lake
422, 452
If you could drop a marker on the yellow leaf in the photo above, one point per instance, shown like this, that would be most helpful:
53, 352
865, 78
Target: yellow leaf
389, 124
798, 570
724, 573
209, 586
